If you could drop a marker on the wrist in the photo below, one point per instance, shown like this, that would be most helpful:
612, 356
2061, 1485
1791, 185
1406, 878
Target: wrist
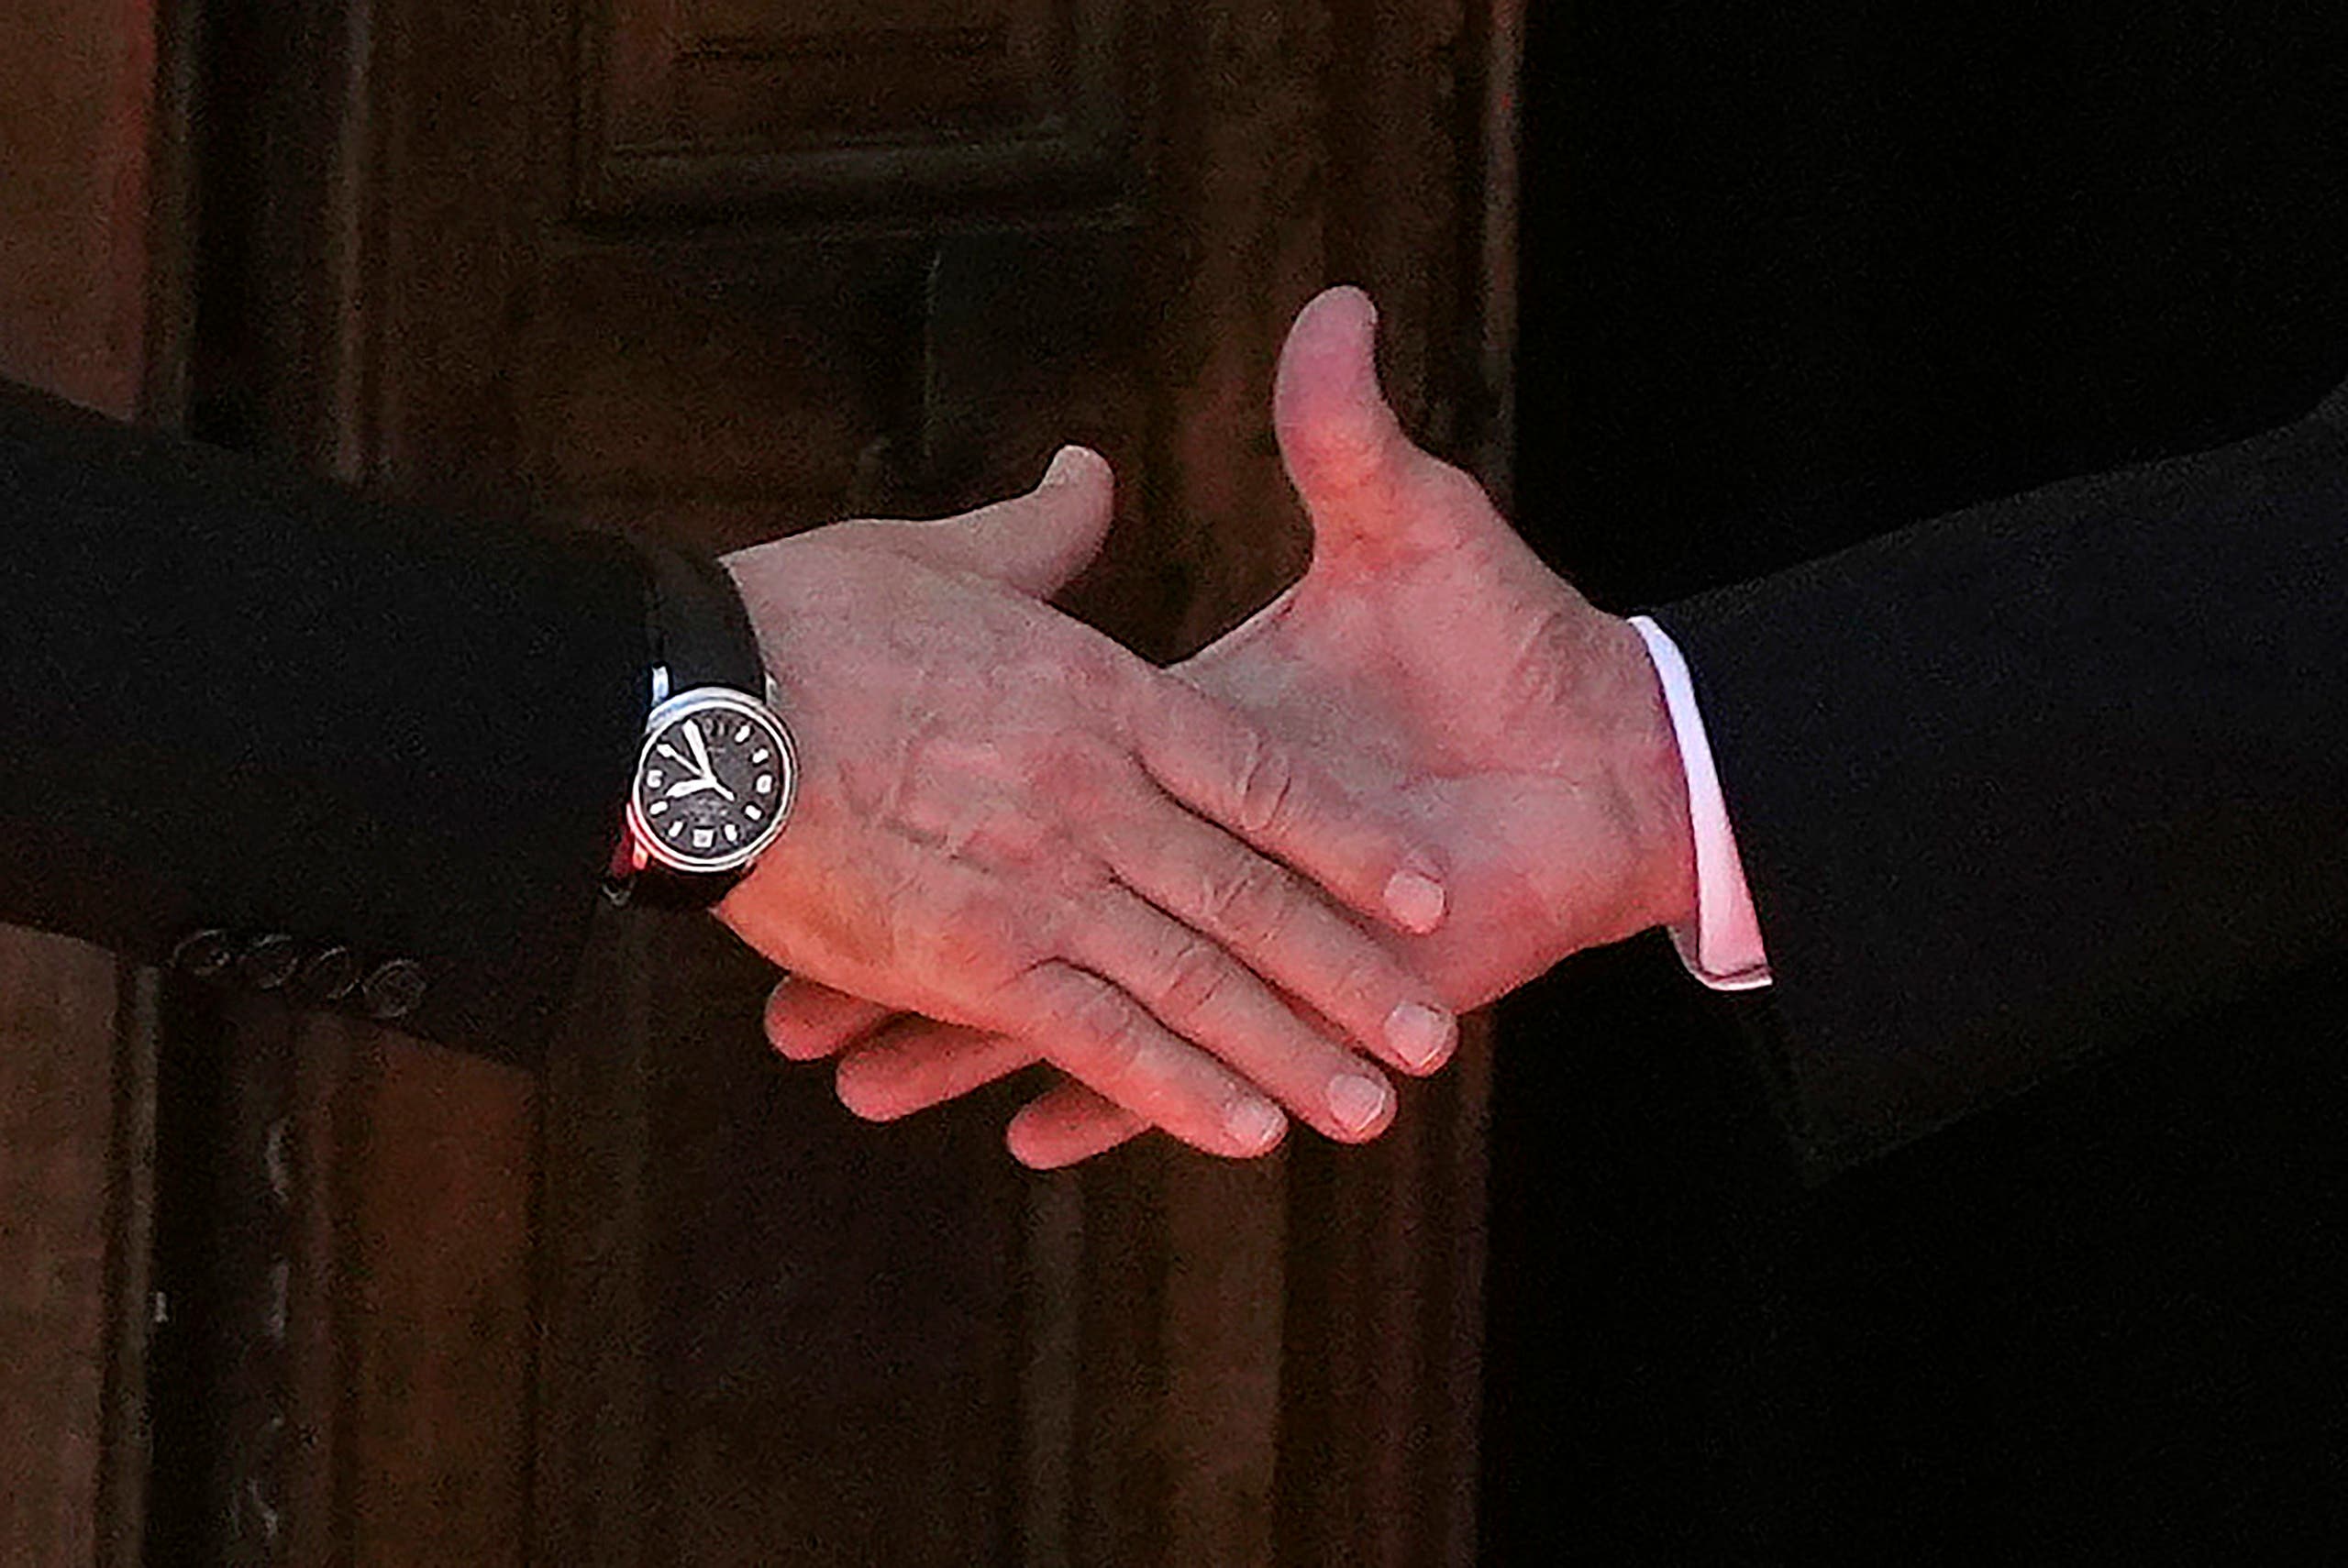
738, 572
717, 770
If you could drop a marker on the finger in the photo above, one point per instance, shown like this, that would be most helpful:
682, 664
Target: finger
1353, 467
1205, 995
917, 1062
1068, 1123
1271, 921
1095, 1032
1035, 543
806, 1021
1274, 796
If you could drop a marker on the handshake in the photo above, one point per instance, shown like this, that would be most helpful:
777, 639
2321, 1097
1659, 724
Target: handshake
1216, 896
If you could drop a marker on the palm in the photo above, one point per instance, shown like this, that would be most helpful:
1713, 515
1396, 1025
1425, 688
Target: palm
1432, 655
1438, 681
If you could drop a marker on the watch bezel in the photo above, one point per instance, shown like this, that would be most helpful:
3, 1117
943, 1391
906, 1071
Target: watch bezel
685, 704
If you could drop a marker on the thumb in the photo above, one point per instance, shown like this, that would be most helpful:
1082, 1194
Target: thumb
1353, 468
1034, 542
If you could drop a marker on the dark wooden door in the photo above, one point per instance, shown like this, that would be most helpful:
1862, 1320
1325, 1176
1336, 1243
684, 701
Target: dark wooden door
720, 268
89, 309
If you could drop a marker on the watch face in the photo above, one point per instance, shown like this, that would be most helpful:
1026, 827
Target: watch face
714, 781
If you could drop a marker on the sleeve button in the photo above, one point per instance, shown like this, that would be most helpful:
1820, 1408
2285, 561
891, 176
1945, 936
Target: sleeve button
270, 962
394, 990
328, 976
206, 955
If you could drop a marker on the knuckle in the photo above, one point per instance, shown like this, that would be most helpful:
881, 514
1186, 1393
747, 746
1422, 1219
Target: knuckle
1110, 1028
1072, 767
1073, 676
1265, 782
1097, 672
1368, 984
1247, 903
1012, 839
1196, 978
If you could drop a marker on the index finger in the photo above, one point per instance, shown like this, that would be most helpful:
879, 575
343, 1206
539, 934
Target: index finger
1273, 795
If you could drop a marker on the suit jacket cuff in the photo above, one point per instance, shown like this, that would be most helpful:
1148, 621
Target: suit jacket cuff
303, 723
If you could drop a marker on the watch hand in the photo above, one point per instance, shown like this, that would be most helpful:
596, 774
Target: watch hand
701, 751
701, 759
695, 786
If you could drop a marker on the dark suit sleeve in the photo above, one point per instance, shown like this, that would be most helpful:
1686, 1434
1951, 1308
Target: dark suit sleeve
244, 703
2037, 776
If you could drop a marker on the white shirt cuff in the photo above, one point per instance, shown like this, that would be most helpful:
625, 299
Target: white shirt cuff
1725, 949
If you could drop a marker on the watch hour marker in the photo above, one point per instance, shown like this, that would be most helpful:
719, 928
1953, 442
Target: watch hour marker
704, 838
741, 735
655, 778
658, 806
752, 812
761, 755
766, 783
676, 827
732, 833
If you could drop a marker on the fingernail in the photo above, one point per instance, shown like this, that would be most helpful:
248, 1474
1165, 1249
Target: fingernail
1253, 1125
1067, 463
1416, 899
1358, 1103
1421, 1035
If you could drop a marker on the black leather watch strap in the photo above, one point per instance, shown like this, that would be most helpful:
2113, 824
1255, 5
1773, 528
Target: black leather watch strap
697, 630
696, 625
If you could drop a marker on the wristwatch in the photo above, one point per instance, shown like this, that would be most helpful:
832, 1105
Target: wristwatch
718, 771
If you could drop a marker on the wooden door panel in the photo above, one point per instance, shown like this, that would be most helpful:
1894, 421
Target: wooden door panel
854, 104
435, 1171
77, 99
57, 1011
89, 249
723, 394
717, 395
831, 1312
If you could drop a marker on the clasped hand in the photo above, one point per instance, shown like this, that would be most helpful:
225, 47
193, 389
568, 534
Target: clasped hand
1011, 824
1026, 847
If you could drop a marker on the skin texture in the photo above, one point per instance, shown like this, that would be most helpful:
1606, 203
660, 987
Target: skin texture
1008, 824
1432, 664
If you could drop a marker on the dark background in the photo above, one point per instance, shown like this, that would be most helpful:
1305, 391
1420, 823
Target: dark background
1792, 276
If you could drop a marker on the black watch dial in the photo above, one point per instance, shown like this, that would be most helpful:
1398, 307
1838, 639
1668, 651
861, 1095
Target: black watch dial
713, 783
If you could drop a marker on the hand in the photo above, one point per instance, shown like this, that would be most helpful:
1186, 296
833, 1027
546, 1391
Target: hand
1429, 659
1010, 824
